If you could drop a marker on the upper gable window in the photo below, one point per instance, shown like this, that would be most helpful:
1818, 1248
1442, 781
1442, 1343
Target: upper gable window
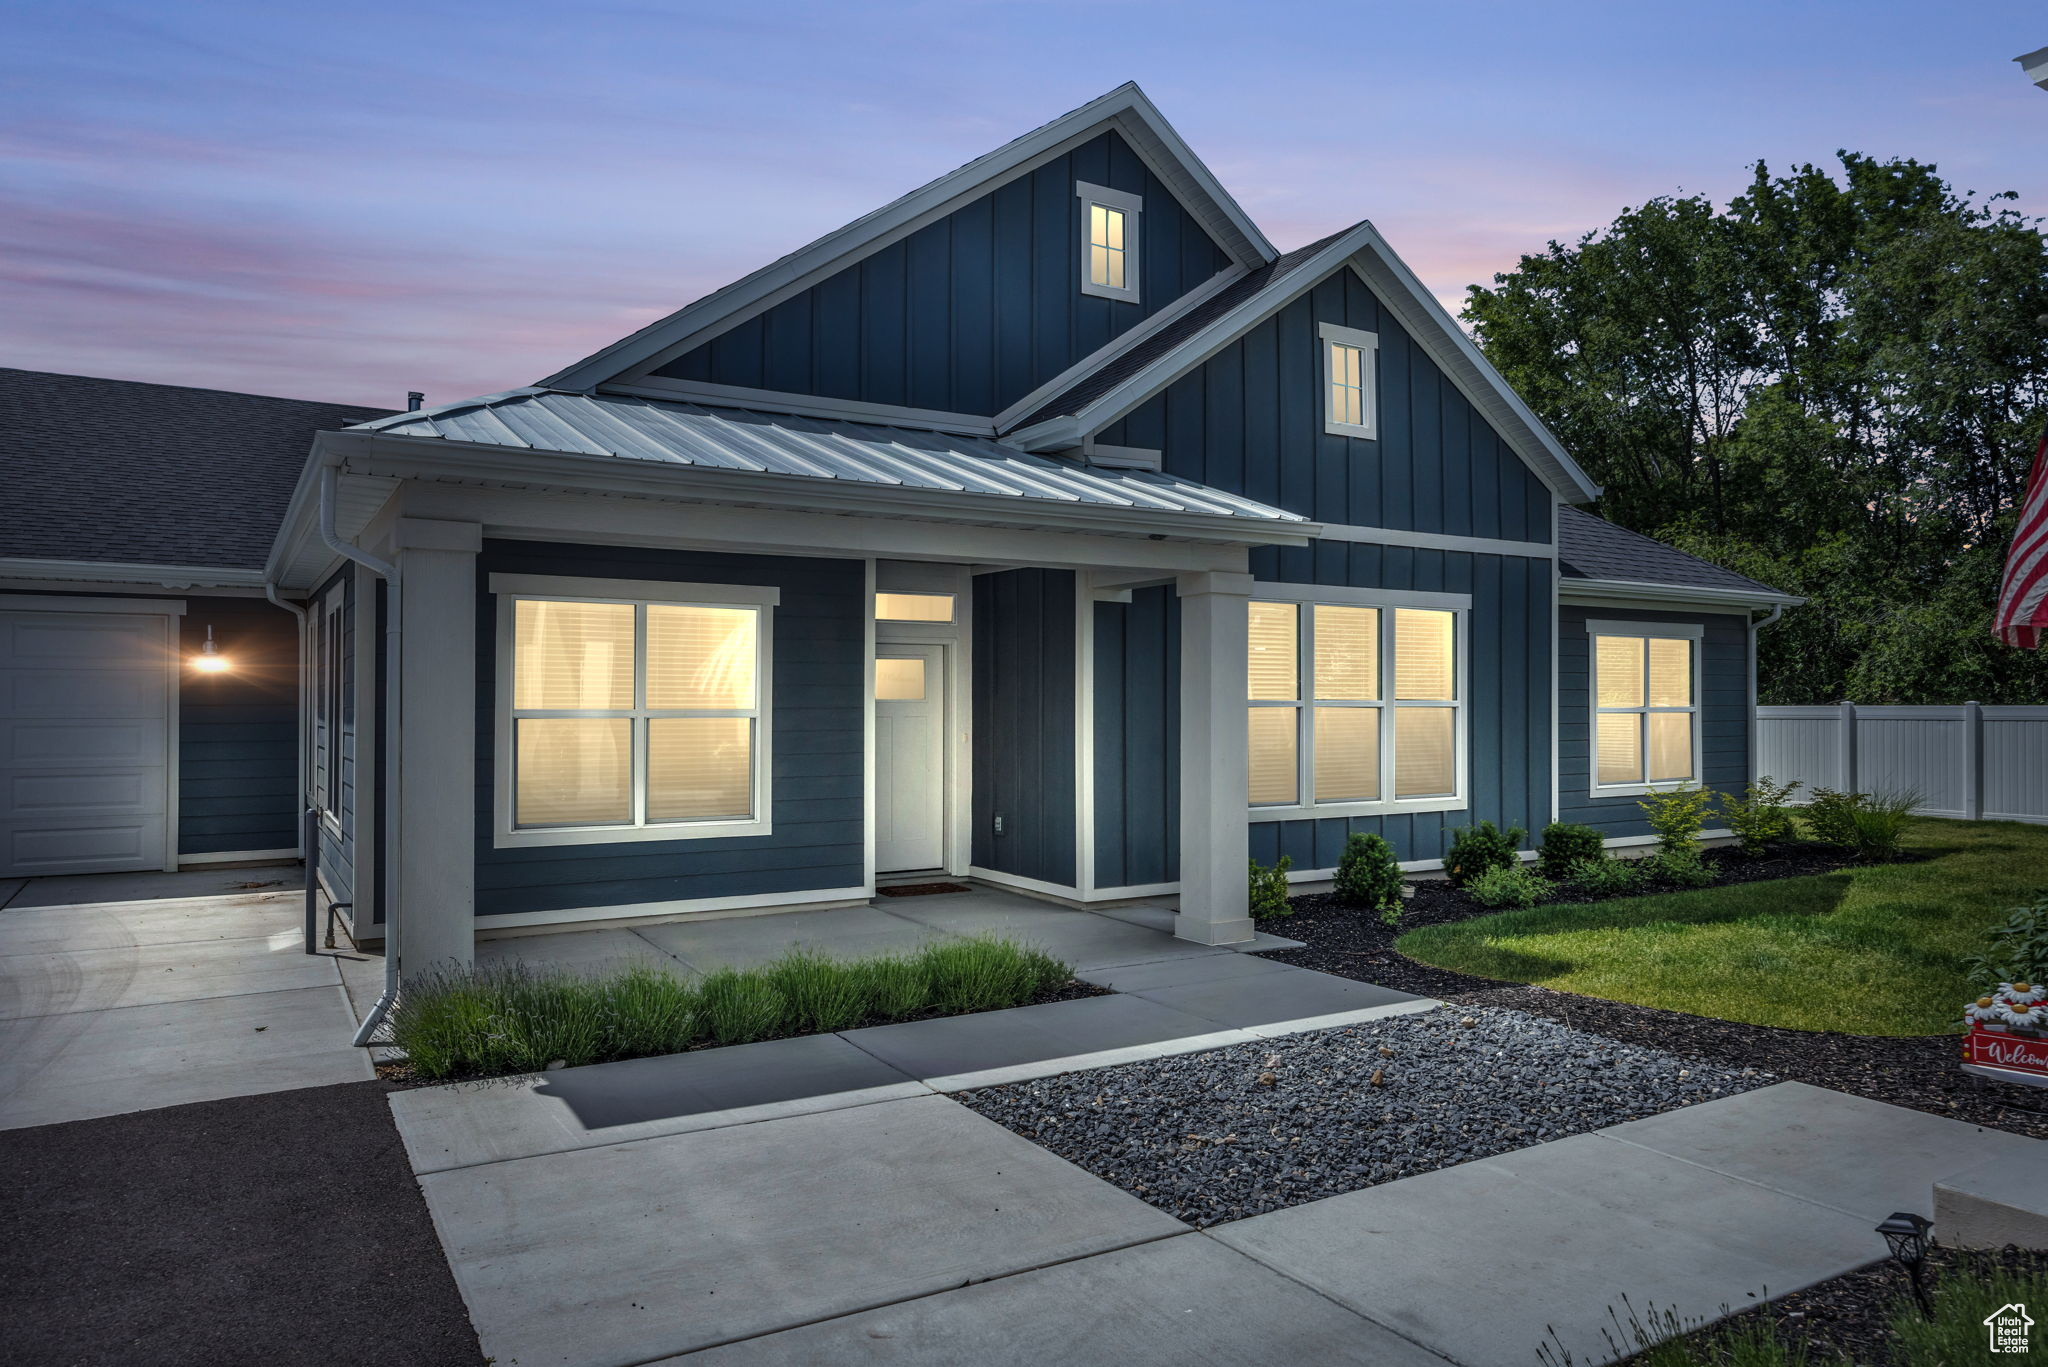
1350, 382
1109, 241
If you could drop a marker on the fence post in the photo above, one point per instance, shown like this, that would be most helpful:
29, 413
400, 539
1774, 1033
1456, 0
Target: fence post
1973, 762
1847, 754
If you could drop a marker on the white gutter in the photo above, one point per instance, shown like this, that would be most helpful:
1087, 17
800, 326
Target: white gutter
388, 851
1680, 595
1755, 728
305, 696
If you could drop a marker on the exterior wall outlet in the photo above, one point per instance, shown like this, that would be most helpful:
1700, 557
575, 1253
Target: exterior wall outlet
999, 823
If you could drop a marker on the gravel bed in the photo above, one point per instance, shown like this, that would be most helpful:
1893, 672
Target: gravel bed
1259, 1127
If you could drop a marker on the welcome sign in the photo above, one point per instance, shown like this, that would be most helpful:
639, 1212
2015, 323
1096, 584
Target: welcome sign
2013, 1058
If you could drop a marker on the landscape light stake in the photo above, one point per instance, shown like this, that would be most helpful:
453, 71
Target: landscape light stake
1906, 1235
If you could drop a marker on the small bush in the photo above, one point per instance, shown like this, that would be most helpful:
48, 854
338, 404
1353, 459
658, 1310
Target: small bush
819, 994
986, 974
739, 1007
1269, 890
1880, 823
1565, 845
1475, 849
1607, 877
897, 986
1368, 874
1685, 868
1760, 818
648, 1011
1509, 885
1677, 815
2016, 952
1831, 817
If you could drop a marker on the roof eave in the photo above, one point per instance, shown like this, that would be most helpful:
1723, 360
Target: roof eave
124, 572
1571, 590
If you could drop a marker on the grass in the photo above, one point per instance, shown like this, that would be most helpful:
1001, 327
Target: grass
1872, 950
511, 1018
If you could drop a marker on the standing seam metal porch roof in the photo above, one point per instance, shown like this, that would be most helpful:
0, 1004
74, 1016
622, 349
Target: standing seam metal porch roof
679, 433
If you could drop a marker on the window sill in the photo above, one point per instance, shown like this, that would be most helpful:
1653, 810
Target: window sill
1322, 810
1669, 785
629, 835
1345, 429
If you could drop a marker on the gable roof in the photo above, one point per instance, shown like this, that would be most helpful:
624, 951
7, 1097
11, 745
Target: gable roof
123, 472
1590, 547
1125, 108
1099, 399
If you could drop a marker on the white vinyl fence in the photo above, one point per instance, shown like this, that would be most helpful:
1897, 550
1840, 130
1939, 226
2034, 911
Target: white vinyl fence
1973, 762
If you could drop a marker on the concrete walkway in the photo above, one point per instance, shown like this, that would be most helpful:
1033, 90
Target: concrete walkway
124, 992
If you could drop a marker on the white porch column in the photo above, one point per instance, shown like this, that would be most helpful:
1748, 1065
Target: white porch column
1214, 646
435, 820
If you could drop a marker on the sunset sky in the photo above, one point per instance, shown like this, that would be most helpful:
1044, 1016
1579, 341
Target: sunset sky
345, 202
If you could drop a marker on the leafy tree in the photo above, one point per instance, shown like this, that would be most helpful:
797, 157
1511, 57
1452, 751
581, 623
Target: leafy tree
1834, 384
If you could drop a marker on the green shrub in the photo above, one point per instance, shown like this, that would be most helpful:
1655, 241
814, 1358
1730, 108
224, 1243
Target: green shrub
1760, 817
648, 1010
986, 974
1685, 868
1676, 815
1880, 823
1368, 874
501, 1018
1607, 877
1475, 849
2016, 952
819, 994
1509, 885
1831, 817
897, 986
1269, 890
1565, 845
738, 1007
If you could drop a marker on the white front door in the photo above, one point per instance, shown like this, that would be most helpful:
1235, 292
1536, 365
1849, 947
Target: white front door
84, 742
910, 757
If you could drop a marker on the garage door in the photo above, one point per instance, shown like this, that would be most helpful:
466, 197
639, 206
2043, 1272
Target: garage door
84, 742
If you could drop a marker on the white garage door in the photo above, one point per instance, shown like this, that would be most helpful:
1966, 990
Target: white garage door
84, 742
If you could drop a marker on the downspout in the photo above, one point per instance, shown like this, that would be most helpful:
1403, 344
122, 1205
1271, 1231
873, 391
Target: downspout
1756, 730
306, 836
329, 478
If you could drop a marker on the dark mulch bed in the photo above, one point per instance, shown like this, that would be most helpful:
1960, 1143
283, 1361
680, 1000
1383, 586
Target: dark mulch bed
1849, 1317
922, 889
284, 1230
1918, 1072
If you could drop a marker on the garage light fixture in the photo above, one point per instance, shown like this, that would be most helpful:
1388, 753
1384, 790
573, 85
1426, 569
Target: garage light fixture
209, 660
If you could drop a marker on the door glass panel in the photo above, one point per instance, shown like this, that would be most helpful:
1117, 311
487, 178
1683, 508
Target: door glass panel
1621, 747
1347, 653
1275, 664
700, 657
899, 680
1618, 667
913, 607
1275, 774
1670, 746
1347, 754
1670, 672
1423, 667
1425, 751
572, 656
574, 771
699, 768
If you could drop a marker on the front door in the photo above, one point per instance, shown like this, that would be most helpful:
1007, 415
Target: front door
910, 757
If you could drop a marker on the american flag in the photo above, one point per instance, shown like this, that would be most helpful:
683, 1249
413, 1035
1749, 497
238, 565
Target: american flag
2022, 616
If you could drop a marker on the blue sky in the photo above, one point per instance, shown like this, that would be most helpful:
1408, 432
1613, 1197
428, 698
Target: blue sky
349, 201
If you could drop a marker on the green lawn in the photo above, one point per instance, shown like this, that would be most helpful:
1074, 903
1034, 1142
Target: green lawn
1872, 951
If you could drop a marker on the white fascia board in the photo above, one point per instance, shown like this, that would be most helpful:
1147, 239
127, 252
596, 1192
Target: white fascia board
1126, 107
112, 572
1595, 591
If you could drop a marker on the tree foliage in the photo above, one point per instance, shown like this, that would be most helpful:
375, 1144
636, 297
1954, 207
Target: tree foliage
1834, 384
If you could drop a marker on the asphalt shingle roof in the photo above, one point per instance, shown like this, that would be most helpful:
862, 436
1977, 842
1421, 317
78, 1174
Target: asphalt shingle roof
154, 474
1590, 547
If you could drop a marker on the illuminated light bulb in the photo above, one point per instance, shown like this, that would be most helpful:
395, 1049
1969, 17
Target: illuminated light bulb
209, 660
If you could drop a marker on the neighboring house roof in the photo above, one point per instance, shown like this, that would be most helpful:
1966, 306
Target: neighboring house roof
1126, 108
122, 472
1590, 547
750, 446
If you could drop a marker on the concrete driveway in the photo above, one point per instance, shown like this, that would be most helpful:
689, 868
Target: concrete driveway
125, 992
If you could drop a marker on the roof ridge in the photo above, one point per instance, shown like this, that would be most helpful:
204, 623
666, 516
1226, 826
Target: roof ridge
190, 388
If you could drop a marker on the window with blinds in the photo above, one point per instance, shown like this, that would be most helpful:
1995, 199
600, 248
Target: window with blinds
1352, 704
1645, 710
634, 714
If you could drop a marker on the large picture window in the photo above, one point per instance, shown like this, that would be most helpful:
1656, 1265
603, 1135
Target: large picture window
1645, 705
633, 718
1355, 707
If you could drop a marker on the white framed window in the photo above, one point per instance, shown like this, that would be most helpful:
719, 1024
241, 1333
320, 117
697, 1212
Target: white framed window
1645, 685
1355, 701
631, 710
1109, 241
1350, 382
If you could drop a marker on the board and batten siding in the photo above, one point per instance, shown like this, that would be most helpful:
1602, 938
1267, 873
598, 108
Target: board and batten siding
1250, 420
1024, 724
818, 713
974, 311
238, 760
1137, 739
1724, 713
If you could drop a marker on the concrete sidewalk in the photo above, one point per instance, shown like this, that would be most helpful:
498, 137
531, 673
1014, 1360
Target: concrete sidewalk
123, 992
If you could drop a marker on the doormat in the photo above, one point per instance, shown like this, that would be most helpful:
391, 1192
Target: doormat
922, 889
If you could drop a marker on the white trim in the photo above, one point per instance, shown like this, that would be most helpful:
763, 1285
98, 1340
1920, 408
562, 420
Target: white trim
241, 857
1629, 593
1021, 883
166, 576
1340, 595
803, 405
1331, 336
1556, 696
870, 811
1612, 626
1084, 737
506, 834
1132, 207
161, 607
1436, 541
1125, 108
1316, 811
1692, 633
1122, 457
634, 590
653, 912
1613, 842
1129, 891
